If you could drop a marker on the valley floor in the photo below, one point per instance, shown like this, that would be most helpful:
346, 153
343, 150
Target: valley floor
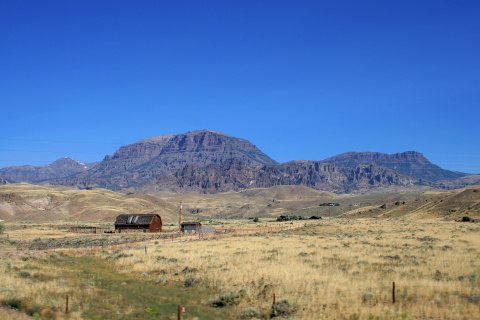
337, 269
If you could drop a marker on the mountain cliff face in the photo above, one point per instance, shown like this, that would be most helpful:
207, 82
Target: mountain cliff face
136, 163
235, 175
60, 168
409, 163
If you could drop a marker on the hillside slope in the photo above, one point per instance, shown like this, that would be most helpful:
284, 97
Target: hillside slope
445, 205
24, 202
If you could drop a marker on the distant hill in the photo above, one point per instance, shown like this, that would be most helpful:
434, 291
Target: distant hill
25, 202
136, 163
61, 168
409, 163
446, 205
235, 175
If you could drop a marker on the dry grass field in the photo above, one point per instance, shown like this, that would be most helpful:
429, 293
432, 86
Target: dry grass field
338, 269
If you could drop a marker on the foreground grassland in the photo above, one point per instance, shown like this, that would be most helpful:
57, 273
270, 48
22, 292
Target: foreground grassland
338, 269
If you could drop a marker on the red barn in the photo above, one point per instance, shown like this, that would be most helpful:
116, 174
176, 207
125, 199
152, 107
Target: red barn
138, 222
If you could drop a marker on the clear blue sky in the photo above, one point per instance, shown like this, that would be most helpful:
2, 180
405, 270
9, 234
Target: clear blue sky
299, 79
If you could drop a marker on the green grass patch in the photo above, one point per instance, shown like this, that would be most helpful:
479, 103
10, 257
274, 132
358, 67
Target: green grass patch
129, 296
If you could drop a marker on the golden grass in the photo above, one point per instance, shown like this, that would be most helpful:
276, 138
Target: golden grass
339, 270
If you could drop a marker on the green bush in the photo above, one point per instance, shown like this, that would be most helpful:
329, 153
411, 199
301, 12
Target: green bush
256, 219
2, 227
12, 303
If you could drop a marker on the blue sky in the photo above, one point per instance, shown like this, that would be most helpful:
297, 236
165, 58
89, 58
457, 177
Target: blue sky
299, 79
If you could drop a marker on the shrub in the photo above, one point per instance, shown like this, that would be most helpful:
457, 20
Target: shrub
14, 303
55, 255
282, 307
249, 313
225, 299
24, 274
190, 282
256, 219
367, 296
2, 227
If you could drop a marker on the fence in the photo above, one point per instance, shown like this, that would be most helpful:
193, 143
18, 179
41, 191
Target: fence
99, 241
370, 296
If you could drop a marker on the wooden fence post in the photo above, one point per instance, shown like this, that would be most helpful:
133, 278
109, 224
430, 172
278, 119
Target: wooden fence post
66, 308
179, 312
393, 293
273, 305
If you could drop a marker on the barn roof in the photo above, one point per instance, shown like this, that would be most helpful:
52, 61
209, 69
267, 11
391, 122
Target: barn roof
135, 219
191, 224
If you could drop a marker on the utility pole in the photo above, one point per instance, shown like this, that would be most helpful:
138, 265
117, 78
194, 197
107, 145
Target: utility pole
180, 219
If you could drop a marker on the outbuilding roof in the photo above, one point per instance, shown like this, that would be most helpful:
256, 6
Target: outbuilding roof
191, 224
135, 219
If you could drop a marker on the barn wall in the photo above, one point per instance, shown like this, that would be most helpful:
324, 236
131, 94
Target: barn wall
156, 224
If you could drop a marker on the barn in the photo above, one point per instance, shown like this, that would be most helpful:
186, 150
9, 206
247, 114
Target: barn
191, 227
138, 222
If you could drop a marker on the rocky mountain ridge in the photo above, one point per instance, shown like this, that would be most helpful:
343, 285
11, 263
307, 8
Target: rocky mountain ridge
209, 162
139, 162
235, 175
409, 163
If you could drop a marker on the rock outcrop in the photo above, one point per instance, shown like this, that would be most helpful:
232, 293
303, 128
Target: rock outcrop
3, 181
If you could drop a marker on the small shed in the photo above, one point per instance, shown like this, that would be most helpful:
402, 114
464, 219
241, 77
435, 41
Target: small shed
191, 227
138, 222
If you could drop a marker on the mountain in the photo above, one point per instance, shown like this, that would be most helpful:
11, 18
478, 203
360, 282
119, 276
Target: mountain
141, 161
60, 168
235, 175
409, 163
210, 162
